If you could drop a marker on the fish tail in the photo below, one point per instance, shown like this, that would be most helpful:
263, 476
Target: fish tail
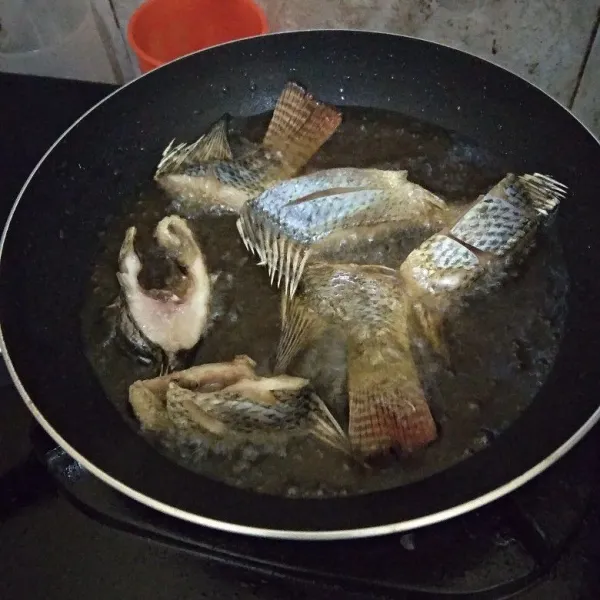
386, 410
299, 127
544, 192
213, 145
299, 326
284, 258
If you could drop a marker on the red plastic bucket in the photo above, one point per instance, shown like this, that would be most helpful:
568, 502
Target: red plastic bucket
161, 30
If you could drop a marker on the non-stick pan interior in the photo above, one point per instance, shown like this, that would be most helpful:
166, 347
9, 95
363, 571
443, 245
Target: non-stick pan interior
55, 234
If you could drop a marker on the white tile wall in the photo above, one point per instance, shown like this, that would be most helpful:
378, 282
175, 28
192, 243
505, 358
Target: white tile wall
541, 40
63, 38
545, 41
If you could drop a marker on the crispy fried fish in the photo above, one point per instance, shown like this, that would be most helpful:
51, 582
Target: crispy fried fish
148, 397
206, 173
474, 253
173, 319
386, 403
228, 400
374, 306
332, 209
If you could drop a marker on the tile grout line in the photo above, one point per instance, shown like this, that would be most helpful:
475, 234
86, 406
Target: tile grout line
585, 60
113, 10
122, 33
107, 43
113, 40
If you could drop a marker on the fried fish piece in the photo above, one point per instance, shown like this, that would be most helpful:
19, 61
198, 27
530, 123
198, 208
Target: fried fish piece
386, 402
321, 213
228, 400
474, 252
174, 319
207, 174
148, 397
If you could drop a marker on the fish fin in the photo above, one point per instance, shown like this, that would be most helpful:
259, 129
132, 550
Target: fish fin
544, 192
299, 326
282, 256
173, 159
386, 410
299, 127
325, 426
213, 145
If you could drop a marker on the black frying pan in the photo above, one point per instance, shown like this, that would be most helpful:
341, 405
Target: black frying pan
51, 240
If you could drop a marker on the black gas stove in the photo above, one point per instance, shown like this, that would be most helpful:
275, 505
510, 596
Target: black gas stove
64, 534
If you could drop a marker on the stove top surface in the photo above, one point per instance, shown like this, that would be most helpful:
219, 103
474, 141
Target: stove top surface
63, 534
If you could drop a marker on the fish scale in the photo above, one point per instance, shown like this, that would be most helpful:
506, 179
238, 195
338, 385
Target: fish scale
493, 225
283, 224
366, 303
444, 269
233, 409
309, 223
273, 200
447, 253
361, 294
377, 309
228, 400
246, 174
205, 173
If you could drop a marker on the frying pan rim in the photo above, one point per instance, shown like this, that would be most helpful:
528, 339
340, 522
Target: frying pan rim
338, 534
